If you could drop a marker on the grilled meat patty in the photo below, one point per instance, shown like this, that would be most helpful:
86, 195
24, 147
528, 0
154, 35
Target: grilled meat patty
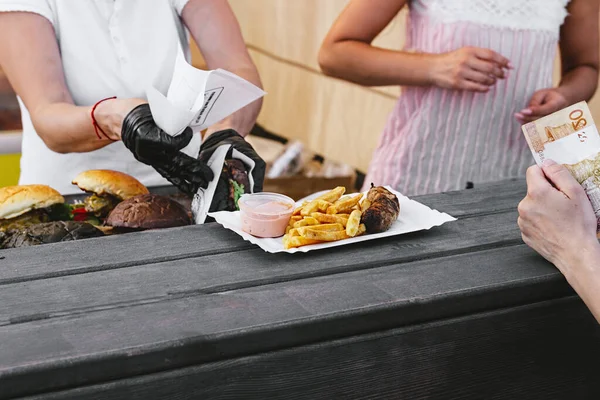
22, 221
382, 212
49, 232
100, 205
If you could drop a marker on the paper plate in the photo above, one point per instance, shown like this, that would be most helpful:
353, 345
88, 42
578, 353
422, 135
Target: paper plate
413, 217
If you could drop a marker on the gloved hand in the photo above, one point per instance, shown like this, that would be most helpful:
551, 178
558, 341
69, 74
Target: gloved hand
221, 200
153, 146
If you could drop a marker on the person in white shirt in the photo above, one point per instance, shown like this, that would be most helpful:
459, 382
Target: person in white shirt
79, 68
557, 220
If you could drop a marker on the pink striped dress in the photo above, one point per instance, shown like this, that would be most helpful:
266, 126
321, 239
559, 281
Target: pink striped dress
438, 140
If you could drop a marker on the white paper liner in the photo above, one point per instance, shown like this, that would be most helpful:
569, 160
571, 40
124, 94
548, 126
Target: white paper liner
413, 217
203, 198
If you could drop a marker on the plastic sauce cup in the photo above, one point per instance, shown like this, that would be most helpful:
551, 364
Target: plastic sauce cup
265, 215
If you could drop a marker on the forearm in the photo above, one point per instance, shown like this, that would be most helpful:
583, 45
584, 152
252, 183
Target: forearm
579, 83
66, 128
243, 120
367, 65
582, 271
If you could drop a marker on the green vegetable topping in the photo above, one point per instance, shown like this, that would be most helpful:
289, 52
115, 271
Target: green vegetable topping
238, 191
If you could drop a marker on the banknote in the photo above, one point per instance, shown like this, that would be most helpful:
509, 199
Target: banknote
570, 137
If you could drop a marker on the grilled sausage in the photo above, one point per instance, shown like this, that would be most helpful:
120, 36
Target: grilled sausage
382, 212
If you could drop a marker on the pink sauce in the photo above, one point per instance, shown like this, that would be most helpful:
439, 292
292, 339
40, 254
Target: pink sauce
265, 215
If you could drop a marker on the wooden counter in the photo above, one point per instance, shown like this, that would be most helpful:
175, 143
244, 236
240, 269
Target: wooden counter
463, 311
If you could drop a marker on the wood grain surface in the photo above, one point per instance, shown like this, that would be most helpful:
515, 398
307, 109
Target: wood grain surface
530, 352
460, 311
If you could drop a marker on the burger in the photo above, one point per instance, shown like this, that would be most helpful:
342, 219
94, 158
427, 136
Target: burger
233, 183
25, 205
107, 188
47, 232
37, 214
238, 182
147, 211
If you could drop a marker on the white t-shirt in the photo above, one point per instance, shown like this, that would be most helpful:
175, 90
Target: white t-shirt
108, 48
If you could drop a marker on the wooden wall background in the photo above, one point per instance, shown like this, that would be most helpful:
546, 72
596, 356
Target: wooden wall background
342, 121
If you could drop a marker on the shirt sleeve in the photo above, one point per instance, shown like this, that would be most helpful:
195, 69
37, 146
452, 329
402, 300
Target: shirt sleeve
40, 7
178, 4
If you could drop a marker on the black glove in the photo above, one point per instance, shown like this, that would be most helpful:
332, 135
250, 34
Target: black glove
153, 146
222, 197
237, 142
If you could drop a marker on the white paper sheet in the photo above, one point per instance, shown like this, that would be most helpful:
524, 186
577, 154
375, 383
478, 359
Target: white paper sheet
413, 217
198, 98
203, 198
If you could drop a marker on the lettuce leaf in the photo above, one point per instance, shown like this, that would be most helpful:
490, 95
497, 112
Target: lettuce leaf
238, 191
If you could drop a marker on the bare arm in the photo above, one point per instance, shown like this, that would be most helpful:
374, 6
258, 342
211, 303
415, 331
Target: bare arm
579, 51
30, 58
217, 33
557, 220
585, 276
347, 53
579, 59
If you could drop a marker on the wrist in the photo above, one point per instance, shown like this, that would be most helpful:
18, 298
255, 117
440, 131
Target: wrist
433, 64
581, 258
104, 116
566, 93
111, 113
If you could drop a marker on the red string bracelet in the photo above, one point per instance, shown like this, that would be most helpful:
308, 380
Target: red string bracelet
95, 123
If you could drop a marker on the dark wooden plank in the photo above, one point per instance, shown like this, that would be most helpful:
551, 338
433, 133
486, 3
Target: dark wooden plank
58, 295
118, 251
484, 199
128, 341
139, 248
549, 350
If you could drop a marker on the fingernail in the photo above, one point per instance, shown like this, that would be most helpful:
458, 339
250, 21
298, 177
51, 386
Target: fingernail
548, 162
527, 111
510, 66
519, 116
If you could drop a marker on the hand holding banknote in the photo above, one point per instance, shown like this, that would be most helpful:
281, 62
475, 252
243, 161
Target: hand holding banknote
556, 218
570, 137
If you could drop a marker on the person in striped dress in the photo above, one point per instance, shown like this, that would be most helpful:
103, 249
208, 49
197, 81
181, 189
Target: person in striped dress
472, 71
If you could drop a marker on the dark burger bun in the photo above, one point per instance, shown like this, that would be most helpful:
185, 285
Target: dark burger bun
17, 200
148, 211
114, 183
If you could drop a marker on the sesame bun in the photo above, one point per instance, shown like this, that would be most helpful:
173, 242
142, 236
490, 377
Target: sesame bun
102, 181
17, 200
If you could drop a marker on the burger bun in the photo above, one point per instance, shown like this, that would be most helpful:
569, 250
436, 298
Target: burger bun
115, 183
18, 200
148, 211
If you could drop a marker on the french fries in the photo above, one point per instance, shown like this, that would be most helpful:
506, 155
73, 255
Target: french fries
344, 204
328, 218
325, 236
306, 221
297, 241
295, 218
331, 219
364, 204
353, 223
333, 195
323, 205
325, 228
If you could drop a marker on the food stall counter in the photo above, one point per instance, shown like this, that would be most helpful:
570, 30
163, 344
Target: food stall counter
464, 310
